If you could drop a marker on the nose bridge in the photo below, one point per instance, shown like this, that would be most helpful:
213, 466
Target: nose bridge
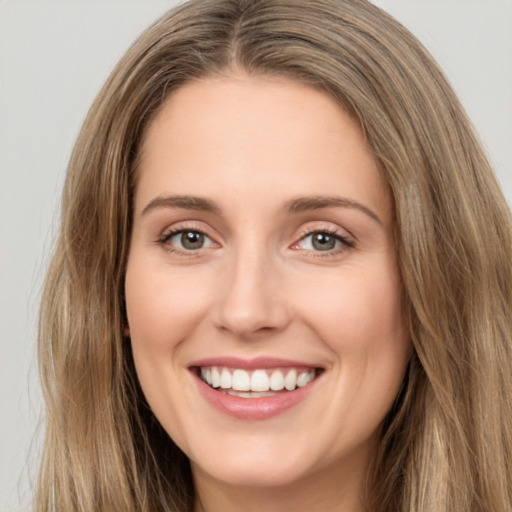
250, 301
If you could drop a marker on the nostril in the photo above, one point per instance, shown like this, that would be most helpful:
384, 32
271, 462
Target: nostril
252, 321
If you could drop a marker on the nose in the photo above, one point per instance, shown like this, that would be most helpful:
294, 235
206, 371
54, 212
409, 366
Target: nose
251, 301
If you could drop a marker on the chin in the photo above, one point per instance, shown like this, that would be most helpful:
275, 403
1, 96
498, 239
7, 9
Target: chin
251, 471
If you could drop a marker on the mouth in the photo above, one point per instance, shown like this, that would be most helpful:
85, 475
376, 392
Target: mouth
258, 382
255, 389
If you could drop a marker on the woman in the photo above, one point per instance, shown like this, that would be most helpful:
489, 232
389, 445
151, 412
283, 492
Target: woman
283, 277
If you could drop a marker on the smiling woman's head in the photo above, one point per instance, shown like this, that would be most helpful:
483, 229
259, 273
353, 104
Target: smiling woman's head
392, 279
262, 288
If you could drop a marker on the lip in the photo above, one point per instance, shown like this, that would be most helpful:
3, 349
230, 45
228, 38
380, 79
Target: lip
252, 409
262, 363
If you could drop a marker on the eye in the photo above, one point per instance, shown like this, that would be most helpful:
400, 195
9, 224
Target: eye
187, 240
323, 241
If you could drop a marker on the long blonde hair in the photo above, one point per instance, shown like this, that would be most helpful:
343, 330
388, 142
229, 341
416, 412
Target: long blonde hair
446, 446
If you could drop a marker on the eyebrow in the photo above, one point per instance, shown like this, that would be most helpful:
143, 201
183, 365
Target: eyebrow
186, 202
304, 204
299, 205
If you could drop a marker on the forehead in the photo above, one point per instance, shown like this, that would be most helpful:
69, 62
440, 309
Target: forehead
256, 136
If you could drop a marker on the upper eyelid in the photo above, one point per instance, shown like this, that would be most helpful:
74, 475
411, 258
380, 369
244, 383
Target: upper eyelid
172, 232
345, 240
186, 225
164, 239
330, 227
305, 230
167, 233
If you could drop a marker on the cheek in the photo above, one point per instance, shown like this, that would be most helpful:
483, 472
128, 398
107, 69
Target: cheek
162, 306
361, 321
358, 313
360, 318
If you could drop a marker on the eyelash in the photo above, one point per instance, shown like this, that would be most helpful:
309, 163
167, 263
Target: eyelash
168, 235
346, 243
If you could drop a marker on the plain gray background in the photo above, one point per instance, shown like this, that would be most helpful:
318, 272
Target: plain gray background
54, 56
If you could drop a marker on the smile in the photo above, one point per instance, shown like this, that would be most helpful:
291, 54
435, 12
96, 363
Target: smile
258, 383
256, 389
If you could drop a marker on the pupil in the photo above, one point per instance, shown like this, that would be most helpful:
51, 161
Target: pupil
192, 240
323, 242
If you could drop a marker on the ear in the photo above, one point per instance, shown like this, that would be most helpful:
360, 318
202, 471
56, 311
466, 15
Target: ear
126, 331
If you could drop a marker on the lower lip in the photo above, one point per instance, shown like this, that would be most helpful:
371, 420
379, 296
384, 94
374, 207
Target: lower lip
254, 408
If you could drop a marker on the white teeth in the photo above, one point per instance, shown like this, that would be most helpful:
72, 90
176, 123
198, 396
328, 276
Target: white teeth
290, 381
225, 379
260, 381
302, 379
257, 383
277, 380
241, 380
215, 378
206, 375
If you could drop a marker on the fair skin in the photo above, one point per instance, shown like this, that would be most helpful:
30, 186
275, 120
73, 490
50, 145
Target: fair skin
263, 243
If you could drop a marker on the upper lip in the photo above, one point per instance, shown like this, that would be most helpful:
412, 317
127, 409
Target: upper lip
251, 364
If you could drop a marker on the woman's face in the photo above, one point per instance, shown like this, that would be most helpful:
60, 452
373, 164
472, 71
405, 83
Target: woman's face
262, 260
